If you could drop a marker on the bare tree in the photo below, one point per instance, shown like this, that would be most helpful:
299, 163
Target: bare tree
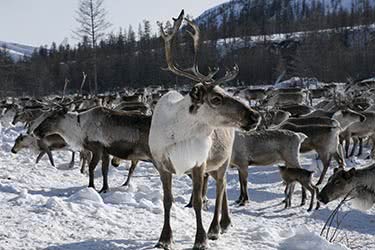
91, 16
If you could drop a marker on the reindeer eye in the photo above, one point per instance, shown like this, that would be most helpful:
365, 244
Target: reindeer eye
337, 182
217, 100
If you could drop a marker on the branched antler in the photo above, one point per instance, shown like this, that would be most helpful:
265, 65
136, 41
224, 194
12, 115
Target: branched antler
327, 226
193, 72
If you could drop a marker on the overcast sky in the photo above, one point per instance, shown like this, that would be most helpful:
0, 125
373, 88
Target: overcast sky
40, 22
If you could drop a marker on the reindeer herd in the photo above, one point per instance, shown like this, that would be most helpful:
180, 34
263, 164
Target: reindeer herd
206, 130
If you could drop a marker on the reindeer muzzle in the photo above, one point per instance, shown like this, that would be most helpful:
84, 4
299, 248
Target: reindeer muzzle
252, 120
322, 197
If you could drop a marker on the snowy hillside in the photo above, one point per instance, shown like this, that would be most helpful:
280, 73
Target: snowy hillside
50, 208
17, 51
235, 7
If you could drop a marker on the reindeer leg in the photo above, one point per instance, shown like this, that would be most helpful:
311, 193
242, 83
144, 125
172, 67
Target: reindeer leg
286, 192
347, 145
105, 166
41, 154
339, 156
326, 161
355, 142
131, 171
200, 236
214, 230
92, 165
316, 193
204, 192
71, 163
225, 221
290, 194
312, 191
50, 157
190, 204
166, 238
240, 198
303, 198
244, 174
360, 146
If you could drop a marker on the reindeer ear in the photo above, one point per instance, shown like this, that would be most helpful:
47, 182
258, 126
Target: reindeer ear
196, 94
348, 175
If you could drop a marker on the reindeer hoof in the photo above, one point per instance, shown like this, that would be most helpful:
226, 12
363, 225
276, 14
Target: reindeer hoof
103, 191
243, 203
164, 245
200, 246
224, 226
189, 205
238, 201
205, 205
213, 236
317, 206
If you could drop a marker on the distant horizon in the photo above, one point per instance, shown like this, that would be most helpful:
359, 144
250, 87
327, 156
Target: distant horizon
37, 23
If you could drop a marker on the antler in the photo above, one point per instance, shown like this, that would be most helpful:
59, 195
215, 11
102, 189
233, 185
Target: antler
192, 73
196, 39
84, 75
168, 38
229, 75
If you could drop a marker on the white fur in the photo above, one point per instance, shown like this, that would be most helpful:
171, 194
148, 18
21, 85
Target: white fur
177, 135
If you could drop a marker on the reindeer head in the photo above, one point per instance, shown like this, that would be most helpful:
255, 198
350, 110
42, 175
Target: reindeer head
339, 184
50, 124
346, 117
22, 141
208, 100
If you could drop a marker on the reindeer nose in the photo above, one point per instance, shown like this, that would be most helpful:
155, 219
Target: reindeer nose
255, 117
323, 198
252, 119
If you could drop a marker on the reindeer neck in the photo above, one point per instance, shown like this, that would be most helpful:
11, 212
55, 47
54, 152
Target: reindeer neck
365, 177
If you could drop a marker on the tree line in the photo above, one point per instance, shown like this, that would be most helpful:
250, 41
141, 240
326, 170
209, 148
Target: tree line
135, 58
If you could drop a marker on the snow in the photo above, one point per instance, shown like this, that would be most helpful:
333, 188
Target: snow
235, 7
51, 208
17, 51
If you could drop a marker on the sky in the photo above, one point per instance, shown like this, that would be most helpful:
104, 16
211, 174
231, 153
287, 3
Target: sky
40, 22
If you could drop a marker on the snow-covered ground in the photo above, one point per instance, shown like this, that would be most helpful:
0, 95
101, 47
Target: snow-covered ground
42, 207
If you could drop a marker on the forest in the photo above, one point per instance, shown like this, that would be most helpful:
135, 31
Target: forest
331, 45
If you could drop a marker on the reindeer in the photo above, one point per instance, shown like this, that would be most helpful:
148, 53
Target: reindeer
272, 118
304, 177
42, 146
358, 183
297, 110
341, 118
257, 95
283, 99
103, 132
358, 131
27, 115
264, 148
181, 137
324, 139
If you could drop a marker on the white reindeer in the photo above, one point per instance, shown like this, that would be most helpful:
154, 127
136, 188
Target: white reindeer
181, 134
